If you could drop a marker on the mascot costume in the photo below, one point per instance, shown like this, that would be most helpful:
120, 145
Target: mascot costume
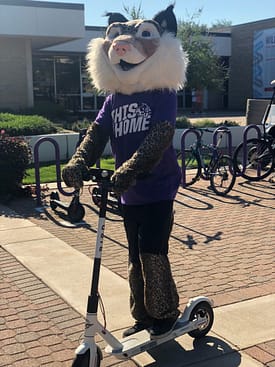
140, 65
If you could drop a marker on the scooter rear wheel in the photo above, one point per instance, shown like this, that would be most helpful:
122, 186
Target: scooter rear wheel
83, 360
202, 309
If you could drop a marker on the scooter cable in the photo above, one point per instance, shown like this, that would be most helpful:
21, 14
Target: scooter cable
102, 309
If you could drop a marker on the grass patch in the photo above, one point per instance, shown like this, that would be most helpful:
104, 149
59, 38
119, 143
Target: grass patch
48, 171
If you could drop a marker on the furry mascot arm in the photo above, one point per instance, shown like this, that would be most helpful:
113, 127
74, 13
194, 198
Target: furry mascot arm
145, 158
86, 156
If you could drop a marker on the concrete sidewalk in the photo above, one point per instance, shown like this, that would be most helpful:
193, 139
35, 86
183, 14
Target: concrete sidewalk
220, 247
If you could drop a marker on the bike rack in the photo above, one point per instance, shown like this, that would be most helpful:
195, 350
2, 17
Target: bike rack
229, 138
229, 141
37, 167
245, 133
183, 168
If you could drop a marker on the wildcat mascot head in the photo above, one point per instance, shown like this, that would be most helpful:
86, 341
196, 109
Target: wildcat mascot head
138, 55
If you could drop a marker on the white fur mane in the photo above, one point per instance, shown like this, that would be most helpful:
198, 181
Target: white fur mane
165, 69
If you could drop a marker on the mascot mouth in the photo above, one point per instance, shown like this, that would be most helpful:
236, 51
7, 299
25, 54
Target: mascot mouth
126, 66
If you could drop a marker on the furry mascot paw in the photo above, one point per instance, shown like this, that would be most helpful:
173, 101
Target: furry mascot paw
73, 173
86, 156
122, 180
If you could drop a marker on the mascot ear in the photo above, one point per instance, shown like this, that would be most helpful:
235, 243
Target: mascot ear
167, 20
115, 17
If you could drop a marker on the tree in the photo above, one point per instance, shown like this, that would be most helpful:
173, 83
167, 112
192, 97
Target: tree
135, 12
205, 69
221, 24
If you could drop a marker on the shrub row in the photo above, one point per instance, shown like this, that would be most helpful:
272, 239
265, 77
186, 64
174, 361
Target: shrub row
23, 125
182, 122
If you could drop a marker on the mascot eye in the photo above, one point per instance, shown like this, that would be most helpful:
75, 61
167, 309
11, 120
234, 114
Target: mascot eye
147, 29
113, 32
146, 34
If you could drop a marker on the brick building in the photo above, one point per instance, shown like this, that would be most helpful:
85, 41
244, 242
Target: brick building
247, 41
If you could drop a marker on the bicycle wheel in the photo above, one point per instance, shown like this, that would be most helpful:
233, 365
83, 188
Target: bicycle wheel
222, 177
254, 160
192, 167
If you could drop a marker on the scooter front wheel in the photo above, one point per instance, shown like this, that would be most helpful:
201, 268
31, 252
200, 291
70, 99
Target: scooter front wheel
76, 212
83, 360
53, 198
202, 310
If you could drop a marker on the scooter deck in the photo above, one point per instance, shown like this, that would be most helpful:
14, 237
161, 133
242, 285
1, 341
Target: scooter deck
141, 341
61, 204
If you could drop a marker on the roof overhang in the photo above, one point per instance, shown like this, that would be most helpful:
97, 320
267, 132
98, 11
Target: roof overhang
44, 23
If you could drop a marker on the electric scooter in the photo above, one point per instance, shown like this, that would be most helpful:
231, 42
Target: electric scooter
196, 319
74, 209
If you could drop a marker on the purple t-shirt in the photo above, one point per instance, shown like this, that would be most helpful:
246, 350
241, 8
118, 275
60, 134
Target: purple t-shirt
128, 119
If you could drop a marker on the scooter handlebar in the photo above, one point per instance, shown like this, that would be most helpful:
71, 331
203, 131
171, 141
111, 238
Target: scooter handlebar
99, 175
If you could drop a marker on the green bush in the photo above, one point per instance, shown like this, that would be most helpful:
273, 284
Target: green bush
229, 123
15, 155
22, 125
210, 123
205, 123
80, 125
182, 122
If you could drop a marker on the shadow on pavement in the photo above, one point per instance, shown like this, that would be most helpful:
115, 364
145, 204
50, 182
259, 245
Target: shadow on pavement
204, 350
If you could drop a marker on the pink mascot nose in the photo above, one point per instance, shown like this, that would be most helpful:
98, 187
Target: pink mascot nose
121, 47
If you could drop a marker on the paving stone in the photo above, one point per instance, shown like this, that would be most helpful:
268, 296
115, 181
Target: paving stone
26, 363
269, 347
14, 348
259, 354
39, 351
26, 337
6, 360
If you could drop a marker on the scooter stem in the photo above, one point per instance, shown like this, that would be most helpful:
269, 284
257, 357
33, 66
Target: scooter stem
92, 304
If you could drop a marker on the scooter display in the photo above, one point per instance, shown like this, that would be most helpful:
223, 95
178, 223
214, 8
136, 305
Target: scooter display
196, 319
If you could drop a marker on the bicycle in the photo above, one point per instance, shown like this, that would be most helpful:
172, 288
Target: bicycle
207, 161
254, 159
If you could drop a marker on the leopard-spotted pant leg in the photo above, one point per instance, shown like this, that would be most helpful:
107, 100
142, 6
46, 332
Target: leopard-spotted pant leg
160, 293
136, 283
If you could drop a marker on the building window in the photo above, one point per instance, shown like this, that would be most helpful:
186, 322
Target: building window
43, 79
64, 80
67, 75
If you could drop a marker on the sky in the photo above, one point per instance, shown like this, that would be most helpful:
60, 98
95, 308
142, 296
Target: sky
236, 11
